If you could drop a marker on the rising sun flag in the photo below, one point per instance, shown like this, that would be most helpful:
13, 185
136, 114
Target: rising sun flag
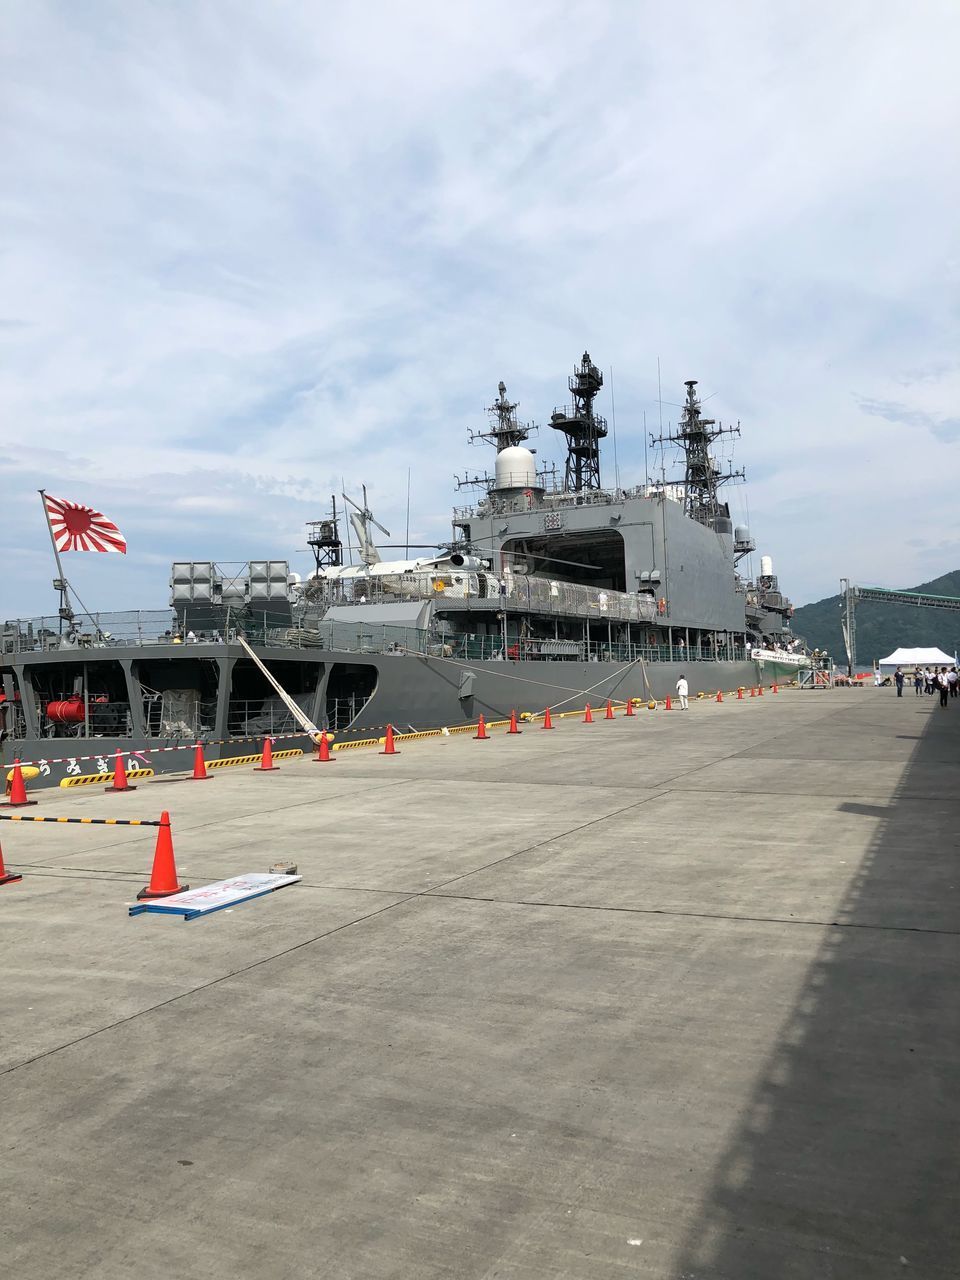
78, 528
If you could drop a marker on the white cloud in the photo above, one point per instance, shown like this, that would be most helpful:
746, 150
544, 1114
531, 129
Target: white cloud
250, 250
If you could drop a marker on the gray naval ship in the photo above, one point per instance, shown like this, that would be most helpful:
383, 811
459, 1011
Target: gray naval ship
555, 590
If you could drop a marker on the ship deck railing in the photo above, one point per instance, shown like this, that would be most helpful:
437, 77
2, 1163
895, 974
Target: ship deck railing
556, 497
519, 592
500, 642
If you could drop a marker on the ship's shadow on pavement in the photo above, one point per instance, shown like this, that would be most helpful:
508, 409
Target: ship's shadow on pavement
846, 1165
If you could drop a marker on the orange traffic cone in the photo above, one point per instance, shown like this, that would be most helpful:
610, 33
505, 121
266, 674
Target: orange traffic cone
7, 877
547, 722
753, 692
587, 715
17, 789
667, 704
388, 748
266, 764
740, 694
773, 687
760, 691
609, 712
630, 710
163, 877
199, 765
719, 695
323, 751
514, 727
481, 735
120, 782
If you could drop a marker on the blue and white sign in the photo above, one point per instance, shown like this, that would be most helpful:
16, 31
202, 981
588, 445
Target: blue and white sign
214, 897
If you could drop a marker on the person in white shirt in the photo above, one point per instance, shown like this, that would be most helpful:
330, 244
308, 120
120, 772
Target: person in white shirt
683, 690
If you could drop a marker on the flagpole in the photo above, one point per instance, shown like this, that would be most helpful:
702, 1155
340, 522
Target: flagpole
64, 592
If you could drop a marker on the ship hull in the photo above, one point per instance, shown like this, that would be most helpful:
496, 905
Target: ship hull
412, 692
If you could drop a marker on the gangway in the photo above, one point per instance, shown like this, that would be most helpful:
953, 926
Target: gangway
884, 595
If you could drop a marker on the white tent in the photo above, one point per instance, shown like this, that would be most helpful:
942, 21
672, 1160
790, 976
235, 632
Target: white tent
916, 658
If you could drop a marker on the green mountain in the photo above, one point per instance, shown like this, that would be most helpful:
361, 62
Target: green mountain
881, 628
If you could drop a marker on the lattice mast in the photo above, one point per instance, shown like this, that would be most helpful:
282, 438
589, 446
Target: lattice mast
583, 428
702, 477
503, 432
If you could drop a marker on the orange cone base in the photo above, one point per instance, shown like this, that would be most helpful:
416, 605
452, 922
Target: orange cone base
164, 893
265, 768
13, 804
10, 878
128, 787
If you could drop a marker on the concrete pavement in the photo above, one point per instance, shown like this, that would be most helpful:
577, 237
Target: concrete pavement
665, 997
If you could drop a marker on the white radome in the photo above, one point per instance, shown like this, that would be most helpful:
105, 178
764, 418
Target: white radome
515, 468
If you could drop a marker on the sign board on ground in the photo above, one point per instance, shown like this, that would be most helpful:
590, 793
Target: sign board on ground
214, 897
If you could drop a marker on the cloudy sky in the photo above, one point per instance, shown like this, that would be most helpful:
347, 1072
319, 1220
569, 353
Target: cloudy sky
250, 249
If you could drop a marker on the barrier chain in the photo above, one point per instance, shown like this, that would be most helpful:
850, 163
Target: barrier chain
154, 751
95, 822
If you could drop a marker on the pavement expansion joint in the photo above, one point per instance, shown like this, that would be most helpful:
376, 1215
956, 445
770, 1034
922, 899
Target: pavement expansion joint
206, 986
732, 917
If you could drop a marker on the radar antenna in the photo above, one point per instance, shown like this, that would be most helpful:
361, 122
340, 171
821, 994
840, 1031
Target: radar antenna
583, 428
504, 429
702, 477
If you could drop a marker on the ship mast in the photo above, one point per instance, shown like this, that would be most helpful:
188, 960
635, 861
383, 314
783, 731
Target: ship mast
504, 432
583, 428
702, 477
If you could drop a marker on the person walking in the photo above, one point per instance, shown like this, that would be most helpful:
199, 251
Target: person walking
683, 691
953, 679
943, 684
928, 679
918, 682
898, 681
